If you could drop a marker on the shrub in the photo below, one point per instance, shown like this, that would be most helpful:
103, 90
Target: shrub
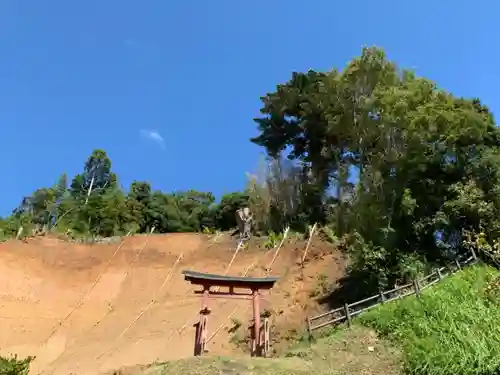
14, 366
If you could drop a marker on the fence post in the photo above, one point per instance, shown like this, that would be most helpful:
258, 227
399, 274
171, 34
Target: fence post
474, 256
416, 287
440, 275
309, 331
382, 296
348, 316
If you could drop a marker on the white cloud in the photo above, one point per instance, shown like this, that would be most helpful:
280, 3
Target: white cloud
154, 136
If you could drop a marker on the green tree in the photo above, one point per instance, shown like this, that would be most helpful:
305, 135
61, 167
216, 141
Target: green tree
96, 176
225, 213
424, 161
138, 204
181, 211
93, 193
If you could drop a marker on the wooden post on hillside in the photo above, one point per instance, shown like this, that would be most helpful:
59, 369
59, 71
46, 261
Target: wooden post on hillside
347, 314
311, 234
382, 296
440, 275
309, 331
19, 233
416, 287
474, 256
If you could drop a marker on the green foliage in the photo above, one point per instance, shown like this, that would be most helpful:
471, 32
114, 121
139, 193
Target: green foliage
208, 230
225, 213
95, 206
426, 164
329, 234
452, 329
273, 240
14, 366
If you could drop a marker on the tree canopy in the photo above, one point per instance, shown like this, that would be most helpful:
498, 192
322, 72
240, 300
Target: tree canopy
396, 167
411, 166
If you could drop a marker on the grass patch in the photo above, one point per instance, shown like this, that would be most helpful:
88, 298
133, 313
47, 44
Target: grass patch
346, 352
453, 328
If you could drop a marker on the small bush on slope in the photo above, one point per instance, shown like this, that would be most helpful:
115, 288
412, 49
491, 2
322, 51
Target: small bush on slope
454, 328
14, 366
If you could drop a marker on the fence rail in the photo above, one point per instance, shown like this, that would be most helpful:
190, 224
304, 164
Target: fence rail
348, 311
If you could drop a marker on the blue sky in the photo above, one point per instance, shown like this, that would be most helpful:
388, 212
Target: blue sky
169, 88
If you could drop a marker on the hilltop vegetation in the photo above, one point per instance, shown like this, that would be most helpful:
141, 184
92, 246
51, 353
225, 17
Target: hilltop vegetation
94, 204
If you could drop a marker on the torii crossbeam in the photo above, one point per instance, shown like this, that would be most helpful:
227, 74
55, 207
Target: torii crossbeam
260, 336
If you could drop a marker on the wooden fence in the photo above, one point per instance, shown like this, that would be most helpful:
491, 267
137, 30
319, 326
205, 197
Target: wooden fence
348, 311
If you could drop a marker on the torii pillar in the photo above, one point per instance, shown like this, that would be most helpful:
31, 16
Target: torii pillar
260, 340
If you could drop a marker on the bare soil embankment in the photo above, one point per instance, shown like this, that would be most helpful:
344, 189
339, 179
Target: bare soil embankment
43, 280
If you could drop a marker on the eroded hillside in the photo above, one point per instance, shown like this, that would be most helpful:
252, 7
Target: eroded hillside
136, 306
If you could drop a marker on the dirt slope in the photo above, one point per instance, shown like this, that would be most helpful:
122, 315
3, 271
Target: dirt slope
43, 280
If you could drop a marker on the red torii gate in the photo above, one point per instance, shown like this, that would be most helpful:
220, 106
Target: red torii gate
260, 337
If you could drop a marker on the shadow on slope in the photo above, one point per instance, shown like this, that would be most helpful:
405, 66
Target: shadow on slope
350, 288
